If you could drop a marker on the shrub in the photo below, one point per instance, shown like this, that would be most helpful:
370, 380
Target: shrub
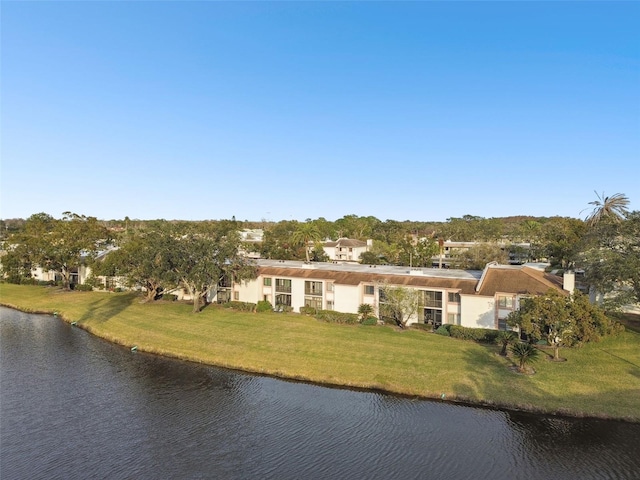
365, 310
169, 297
308, 310
332, 316
504, 339
525, 353
264, 306
482, 335
443, 330
370, 321
83, 288
240, 306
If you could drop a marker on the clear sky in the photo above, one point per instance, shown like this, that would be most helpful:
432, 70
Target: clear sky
295, 110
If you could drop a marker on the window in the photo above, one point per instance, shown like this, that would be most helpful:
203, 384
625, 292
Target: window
236, 296
313, 288
453, 318
283, 285
283, 300
223, 296
329, 287
313, 302
454, 297
432, 298
505, 302
433, 317
329, 304
267, 281
502, 324
368, 290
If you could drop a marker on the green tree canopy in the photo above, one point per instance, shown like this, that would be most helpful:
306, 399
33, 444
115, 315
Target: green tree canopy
561, 320
57, 245
306, 234
144, 259
611, 260
200, 262
399, 303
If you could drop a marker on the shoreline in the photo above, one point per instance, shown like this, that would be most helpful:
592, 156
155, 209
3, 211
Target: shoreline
443, 398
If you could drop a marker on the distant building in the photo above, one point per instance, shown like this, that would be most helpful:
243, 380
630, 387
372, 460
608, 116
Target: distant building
346, 250
518, 252
252, 238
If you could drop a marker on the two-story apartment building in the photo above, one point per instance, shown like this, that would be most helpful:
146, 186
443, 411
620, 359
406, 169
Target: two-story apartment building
346, 249
480, 299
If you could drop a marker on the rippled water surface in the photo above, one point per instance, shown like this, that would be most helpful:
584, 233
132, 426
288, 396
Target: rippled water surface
74, 406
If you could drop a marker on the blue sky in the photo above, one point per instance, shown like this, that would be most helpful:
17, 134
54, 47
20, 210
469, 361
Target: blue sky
295, 110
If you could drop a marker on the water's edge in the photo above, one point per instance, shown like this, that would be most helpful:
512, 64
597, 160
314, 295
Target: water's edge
460, 402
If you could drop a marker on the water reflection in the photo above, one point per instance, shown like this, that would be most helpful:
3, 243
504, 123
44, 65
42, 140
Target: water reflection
73, 406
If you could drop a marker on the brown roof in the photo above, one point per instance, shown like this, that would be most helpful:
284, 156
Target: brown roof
355, 278
524, 280
346, 242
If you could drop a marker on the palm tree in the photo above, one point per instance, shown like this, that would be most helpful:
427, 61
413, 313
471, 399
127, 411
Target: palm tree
613, 208
505, 338
304, 234
365, 310
526, 353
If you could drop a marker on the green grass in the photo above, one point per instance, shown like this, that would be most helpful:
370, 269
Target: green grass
599, 380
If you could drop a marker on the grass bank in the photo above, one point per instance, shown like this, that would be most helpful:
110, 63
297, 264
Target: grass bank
597, 380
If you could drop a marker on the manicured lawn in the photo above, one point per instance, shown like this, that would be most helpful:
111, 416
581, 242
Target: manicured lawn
600, 379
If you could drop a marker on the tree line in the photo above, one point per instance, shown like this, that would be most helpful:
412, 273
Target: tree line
158, 253
158, 258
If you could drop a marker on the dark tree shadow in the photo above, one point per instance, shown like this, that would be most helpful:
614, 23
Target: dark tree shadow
107, 307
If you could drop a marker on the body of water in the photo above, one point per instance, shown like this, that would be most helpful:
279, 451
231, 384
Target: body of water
73, 406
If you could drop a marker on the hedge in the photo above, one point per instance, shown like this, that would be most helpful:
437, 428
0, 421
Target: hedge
336, 317
482, 335
241, 306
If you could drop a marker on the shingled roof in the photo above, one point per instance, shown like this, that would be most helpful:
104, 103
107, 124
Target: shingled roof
517, 279
495, 278
346, 242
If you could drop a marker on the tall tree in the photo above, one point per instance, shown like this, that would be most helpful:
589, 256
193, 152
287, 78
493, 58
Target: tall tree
611, 260
278, 243
416, 253
545, 317
560, 239
144, 259
200, 262
612, 208
306, 234
477, 257
562, 320
60, 245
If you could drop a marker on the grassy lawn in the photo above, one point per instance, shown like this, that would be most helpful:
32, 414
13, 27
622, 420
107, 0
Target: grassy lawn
600, 379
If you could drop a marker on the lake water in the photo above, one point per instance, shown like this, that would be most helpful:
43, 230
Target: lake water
73, 407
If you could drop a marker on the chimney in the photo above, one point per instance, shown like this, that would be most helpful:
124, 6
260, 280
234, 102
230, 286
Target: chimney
569, 281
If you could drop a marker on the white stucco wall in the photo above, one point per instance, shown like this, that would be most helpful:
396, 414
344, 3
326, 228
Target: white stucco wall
477, 312
347, 298
249, 291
